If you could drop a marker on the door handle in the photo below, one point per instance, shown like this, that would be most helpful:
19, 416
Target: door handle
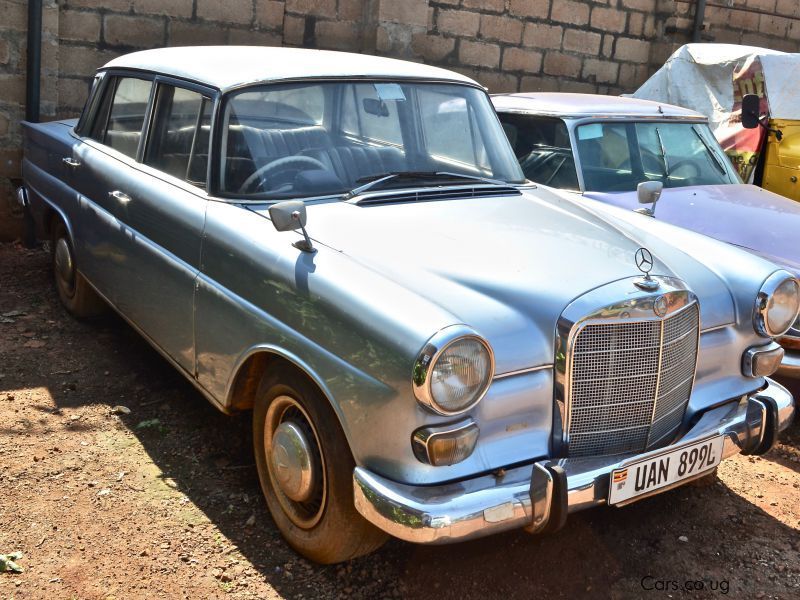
119, 196
70, 162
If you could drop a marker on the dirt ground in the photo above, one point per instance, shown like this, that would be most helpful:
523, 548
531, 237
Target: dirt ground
164, 502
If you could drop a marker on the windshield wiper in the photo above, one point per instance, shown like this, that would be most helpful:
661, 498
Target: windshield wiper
376, 180
717, 162
663, 153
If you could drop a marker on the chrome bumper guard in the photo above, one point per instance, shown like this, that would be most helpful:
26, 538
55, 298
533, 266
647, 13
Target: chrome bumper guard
538, 497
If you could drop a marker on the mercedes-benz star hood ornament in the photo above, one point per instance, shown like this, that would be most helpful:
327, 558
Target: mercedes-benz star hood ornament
645, 262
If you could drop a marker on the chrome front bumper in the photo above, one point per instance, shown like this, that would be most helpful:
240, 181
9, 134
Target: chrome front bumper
539, 496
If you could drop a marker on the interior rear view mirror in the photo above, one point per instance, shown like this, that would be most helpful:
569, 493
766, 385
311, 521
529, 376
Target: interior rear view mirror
376, 107
750, 111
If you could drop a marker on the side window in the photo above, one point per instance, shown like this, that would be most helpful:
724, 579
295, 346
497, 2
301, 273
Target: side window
542, 147
120, 119
179, 138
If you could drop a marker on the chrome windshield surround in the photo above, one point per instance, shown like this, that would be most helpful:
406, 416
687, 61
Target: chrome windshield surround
652, 310
427, 358
768, 288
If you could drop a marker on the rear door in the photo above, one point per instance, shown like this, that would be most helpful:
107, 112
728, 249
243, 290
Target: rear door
144, 172
107, 155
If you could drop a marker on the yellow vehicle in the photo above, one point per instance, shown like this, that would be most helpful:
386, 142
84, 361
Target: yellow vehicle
781, 162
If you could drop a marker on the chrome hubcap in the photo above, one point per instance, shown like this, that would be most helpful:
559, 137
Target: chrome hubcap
295, 462
64, 267
291, 461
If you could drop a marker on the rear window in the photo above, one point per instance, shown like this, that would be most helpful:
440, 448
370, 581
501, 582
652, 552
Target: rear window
120, 120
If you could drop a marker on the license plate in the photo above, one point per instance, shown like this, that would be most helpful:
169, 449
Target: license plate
648, 475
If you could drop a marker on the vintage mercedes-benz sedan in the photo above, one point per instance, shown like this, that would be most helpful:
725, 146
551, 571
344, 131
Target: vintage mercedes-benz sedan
604, 147
431, 347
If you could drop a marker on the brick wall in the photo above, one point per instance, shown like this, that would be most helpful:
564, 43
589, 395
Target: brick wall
605, 46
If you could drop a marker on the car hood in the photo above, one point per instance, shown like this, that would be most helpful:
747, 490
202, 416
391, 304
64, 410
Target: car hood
744, 215
507, 266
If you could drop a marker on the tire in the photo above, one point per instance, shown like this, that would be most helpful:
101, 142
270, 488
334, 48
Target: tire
319, 520
73, 290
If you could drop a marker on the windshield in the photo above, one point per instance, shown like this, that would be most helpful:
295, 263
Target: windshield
617, 156
323, 138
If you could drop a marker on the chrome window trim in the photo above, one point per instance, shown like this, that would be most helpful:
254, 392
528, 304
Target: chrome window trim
108, 78
427, 358
760, 322
146, 169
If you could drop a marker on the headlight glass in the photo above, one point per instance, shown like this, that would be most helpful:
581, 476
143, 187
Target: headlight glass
460, 375
453, 371
778, 304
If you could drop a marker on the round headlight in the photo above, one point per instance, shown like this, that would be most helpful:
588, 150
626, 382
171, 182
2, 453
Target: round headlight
453, 371
777, 304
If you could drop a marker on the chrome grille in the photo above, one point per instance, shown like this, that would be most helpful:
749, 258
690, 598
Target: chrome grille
629, 382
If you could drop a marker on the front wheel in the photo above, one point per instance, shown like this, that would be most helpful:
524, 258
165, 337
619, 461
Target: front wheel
306, 470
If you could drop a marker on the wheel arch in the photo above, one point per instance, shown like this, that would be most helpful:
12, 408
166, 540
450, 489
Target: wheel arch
251, 366
51, 212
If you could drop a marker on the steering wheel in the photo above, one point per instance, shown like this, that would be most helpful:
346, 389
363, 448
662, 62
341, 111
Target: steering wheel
284, 165
651, 162
686, 163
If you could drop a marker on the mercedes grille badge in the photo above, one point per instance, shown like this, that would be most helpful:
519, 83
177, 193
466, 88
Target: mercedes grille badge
644, 260
661, 306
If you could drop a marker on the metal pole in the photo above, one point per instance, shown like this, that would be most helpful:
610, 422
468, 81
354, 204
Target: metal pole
699, 16
34, 68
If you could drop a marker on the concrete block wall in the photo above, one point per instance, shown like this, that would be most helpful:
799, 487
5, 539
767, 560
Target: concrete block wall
605, 46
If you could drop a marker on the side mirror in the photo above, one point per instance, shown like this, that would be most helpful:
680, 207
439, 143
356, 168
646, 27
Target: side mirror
288, 216
291, 216
751, 106
648, 192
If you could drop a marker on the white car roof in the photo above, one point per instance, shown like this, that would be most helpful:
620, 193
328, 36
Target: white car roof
226, 67
588, 105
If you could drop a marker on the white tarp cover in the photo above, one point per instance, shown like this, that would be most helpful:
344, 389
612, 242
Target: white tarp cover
701, 77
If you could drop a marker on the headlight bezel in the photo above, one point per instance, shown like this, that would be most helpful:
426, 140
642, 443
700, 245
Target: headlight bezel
428, 357
768, 289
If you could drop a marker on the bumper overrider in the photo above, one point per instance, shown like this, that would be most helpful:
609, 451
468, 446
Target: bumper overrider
538, 497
